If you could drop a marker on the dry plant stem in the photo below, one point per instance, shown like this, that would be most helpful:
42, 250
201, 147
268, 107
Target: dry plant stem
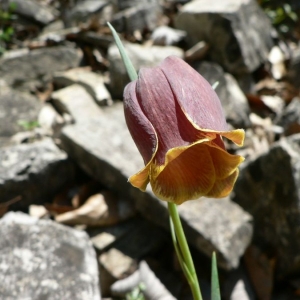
183, 252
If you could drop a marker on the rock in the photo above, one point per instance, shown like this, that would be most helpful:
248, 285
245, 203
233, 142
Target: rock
16, 107
223, 226
113, 266
34, 10
153, 288
289, 119
18, 67
167, 36
34, 171
124, 4
143, 16
103, 237
91, 144
268, 188
294, 68
141, 56
40, 259
233, 100
84, 9
50, 119
95, 39
137, 242
77, 102
92, 82
100, 209
57, 36
197, 52
277, 60
237, 30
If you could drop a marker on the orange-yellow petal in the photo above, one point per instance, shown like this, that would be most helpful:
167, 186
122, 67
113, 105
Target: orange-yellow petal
225, 164
223, 187
188, 174
140, 180
237, 136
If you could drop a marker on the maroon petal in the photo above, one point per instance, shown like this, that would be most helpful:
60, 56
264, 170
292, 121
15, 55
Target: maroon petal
194, 94
157, 101
139, 126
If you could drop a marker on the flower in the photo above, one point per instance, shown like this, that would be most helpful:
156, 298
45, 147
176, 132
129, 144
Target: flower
177, 123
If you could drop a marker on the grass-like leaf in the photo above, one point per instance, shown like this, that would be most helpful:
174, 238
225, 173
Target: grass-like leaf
127, 62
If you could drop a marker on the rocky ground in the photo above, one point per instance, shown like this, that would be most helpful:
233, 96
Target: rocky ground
71, 226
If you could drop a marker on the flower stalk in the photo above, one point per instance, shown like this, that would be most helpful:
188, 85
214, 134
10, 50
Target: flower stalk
183, 251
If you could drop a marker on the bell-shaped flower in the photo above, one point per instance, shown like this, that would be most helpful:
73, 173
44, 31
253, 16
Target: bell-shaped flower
176, 120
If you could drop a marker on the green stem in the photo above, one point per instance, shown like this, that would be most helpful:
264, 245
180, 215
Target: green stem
184, 248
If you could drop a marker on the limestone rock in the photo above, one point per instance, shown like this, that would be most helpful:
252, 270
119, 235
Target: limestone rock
35, 10
141, 56
35, 171
18, 67
143, 16
233, 100
84, 9
40, 259
289, 119
268, 188
16, 107
77, 102
92, 82
105, 150
167, 36
237, 30
294, 67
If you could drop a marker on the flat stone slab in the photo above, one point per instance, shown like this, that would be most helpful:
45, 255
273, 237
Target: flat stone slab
18, 67
40, 259
76, 101
33, 171
104, 149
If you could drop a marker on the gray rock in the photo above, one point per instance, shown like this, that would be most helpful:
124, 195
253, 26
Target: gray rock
233, 100
237, 30
40, 259
269, 189
77, 102
57, 36
105, 150
16, 107
34, 10
95, 39
144, 16
18, 67
124, 4
223, 226
92, 82
34, 171
294, 67
289, 119
141, 56
84, 9
164, 35
197, 52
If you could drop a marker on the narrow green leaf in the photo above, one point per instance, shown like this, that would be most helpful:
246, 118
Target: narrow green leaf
126, 60
215, 288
